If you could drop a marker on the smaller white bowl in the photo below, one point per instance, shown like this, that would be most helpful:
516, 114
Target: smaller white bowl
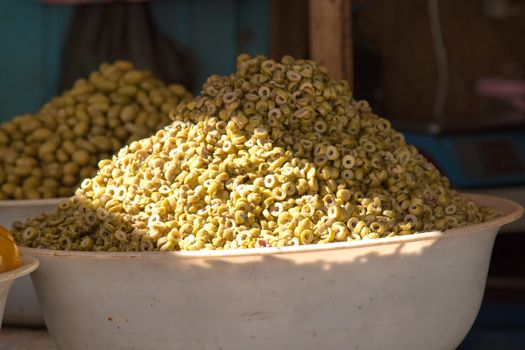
22, 307
7, 279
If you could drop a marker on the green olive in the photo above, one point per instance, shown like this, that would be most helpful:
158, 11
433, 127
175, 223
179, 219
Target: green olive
123, 65
128, 90
4, 138
129, 113
81, 157
71, 168
133, 77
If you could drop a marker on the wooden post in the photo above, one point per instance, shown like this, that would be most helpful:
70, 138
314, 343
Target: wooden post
289, 28
330, 30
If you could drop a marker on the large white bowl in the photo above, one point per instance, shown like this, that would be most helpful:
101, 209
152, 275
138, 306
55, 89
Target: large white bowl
420, 291
22, 307
7, 279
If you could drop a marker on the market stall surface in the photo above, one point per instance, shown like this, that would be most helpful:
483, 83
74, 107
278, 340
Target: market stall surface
25, 339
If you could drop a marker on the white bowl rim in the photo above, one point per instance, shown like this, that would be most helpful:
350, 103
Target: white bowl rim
31, 202
512, 211
29, 265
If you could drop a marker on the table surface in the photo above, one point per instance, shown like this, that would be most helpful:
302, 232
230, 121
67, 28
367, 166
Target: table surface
25, 339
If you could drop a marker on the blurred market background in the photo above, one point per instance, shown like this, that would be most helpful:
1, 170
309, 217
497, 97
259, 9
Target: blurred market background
449, 74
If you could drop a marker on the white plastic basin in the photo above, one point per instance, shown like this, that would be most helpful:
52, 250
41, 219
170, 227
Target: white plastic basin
22, 307
420, 291
7, 279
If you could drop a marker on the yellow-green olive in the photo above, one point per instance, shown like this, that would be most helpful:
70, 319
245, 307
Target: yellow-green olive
277, 154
